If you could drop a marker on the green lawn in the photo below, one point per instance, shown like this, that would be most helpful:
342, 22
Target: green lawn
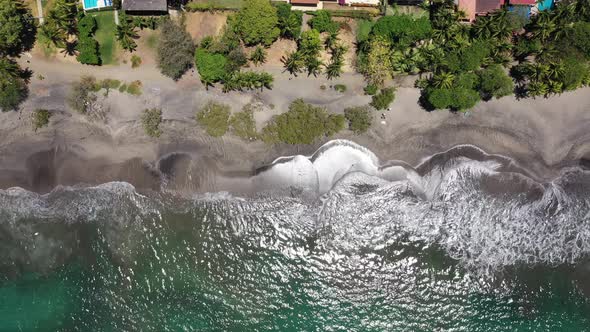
105, 35
229, 4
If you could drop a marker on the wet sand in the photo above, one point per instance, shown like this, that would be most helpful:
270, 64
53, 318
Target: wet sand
543, 135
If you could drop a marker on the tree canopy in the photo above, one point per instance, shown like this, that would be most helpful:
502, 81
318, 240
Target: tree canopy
17, 28
403, 29
175, 50
211, 66
257, 22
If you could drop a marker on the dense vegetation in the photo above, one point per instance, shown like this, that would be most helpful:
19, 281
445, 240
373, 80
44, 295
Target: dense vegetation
302, 124
17, 34
309, 47
87, 46
545, 55
175, 50
243, 124
257, 23
221, 60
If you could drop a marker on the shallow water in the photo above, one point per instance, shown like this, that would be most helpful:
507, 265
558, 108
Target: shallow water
463, 242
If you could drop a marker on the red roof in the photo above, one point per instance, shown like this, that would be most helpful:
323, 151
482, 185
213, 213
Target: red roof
523, 2
486, 6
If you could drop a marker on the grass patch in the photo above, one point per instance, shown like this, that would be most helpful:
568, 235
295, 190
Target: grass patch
152, 41
206, 5
123, 88
105, 35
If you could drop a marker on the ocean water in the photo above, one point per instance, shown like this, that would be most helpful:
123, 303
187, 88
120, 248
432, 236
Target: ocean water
337, 241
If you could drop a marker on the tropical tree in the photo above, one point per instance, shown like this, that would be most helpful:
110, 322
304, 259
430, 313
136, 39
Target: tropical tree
378, 67
176, 50
17, 28
126, 33
443, 80
293, 62
52, 35
258, 56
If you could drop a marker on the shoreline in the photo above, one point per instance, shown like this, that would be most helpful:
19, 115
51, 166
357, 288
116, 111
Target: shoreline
543, 135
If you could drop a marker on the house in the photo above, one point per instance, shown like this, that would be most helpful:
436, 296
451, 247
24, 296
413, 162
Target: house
331, 4
145, 7
306, 5
473, 8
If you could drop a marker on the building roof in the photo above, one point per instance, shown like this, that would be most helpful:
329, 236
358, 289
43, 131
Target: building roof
479, 7
523, 2
145, 5
486, 6
305, 2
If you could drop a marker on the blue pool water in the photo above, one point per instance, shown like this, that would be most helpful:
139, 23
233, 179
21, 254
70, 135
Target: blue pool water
545, 4
92, 4
88, 4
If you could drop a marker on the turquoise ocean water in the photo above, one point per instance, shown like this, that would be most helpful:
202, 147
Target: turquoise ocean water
483, 252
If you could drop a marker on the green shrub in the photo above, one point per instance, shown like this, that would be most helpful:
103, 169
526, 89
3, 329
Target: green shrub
359, 119
211, 66
322, 22
340, 87
302, 124
87, 51
87, 46
135, 61
243, 125
40, 118
82, 95
257, 22
371, 89
109, 84
13, 91
289, 20
214, 118
123, 88
364, 30
134, 88
151, 119
403, 29
250, 80
494, 82
383, 99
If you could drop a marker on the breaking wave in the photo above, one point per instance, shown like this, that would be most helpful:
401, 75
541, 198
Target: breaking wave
483, 210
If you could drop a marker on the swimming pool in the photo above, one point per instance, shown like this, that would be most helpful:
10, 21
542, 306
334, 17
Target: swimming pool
545, 5
94, 4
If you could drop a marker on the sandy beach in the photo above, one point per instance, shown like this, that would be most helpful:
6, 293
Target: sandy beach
543, 135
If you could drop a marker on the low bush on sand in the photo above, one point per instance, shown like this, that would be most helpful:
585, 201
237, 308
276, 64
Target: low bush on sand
214, 118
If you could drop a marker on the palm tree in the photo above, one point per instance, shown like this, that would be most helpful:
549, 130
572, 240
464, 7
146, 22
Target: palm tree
536, 88
544, 26
334, 69
314, 66
52, 34
443, 80
126, 34
293, 62
258, 56
331, 40
9, 68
